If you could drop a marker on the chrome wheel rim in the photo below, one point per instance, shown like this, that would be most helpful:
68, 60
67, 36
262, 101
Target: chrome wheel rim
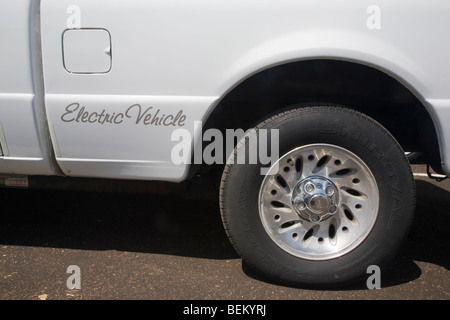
318, 202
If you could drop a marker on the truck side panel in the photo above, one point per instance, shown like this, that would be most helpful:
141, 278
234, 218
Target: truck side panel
24, 139
169, 58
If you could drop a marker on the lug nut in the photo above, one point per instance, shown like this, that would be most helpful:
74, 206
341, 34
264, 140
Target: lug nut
329, 190
309, 187
301, 205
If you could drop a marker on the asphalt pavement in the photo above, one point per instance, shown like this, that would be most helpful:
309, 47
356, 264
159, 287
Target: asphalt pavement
74, 245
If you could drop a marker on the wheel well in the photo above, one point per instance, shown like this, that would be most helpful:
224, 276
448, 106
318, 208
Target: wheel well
320, 81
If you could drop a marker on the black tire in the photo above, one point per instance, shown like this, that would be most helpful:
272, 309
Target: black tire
334, 126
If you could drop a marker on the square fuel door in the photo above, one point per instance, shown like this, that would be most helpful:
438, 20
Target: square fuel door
87, 50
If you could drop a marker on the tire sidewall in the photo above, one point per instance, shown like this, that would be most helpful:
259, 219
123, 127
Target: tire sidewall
356, 133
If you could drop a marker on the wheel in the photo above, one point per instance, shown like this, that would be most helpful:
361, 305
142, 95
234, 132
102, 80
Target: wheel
340, 198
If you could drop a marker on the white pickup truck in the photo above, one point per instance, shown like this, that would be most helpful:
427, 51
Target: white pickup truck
335, 93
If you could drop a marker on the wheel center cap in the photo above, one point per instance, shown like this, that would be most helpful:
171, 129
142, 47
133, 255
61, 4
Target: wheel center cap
315, 198
319, 203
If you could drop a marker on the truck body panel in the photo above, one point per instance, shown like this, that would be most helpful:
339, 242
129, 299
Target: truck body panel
172, 62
